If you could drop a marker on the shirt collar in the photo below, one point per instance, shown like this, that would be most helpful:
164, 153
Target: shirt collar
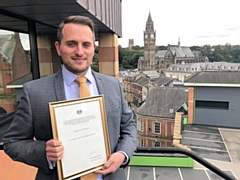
69, 77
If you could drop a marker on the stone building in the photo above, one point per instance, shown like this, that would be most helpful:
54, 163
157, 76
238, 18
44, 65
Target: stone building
182, 71
128, 82
162, 59
130, 44
142, 85
138, 90
148, 61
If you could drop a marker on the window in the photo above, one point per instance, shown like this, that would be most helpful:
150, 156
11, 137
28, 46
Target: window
16, 65
139, 125
140, 143
212, 105
157, 127
172, 128
157, 144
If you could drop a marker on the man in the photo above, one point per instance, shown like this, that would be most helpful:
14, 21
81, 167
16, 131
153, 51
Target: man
29, 138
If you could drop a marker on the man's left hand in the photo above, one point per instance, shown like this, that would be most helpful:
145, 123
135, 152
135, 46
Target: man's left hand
113, 163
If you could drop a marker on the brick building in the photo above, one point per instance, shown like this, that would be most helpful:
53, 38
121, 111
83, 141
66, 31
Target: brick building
13, 65
156, 117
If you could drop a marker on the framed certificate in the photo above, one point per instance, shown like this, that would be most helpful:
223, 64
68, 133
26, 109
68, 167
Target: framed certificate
81, 125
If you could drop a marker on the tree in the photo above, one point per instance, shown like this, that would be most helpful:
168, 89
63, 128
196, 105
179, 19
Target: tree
130, 58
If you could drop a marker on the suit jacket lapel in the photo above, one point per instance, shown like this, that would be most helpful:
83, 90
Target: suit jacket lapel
100, 83
59, 86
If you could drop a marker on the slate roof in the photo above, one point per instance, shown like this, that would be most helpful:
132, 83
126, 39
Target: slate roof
18, 83
161, 101
151, 73
141, 58
179, 51
161, 53
204, 66
182, 51
219, 77
141, 81
162, 80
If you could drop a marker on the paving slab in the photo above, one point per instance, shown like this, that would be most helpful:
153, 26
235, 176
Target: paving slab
226, 156
202, 135
141, 173
193, 174
167, 173
214, 155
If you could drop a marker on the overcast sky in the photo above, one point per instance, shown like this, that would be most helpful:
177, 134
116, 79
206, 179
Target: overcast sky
202, 22
199, 23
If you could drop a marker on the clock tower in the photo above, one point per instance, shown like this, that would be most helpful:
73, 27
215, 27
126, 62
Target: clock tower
149, 45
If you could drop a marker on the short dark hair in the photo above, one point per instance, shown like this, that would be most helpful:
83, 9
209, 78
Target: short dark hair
82, 20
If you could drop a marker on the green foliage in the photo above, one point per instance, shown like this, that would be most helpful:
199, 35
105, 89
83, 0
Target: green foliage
95, 63
129, 59
120, 54
95, 67
27, 52
161, 48
137, 48
218, 53
95, 57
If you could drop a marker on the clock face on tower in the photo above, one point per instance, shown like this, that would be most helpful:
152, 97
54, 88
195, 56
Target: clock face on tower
152, 36
146, 36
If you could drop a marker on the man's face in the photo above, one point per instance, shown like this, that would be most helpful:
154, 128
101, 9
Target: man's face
76, 48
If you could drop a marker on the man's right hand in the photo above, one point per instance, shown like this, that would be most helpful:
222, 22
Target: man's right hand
54, 150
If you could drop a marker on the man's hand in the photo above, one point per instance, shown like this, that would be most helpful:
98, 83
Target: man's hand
113, 163
54, 150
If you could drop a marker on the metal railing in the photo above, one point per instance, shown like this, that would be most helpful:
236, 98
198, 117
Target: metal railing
170, 150
167, 150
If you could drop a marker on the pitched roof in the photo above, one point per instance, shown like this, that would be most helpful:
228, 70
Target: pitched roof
162, 80
214, 77
204, 66
178, 51
141, 58
163, 102
161, 53
151, 73
141, 81
18, 83
182, 51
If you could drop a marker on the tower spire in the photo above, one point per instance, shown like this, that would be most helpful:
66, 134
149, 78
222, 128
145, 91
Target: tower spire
179, 41
149, 45
149, 23
149, 17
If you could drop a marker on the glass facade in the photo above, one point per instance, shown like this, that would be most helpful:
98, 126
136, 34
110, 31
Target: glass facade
19, 63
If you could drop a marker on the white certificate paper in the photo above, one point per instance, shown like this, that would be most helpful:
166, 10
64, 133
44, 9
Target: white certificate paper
81, 126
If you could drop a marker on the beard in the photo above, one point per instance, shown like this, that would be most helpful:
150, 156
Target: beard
75, 70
